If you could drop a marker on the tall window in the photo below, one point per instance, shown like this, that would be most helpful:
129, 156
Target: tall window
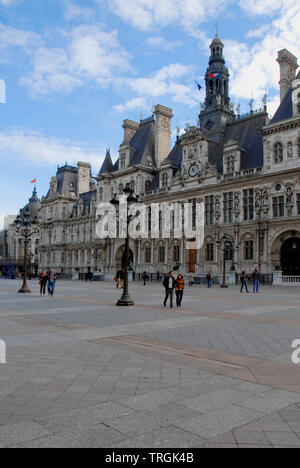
132, 185
122, 161
176, 253
290, 150
149, 219
165, 180
209, 252
147, 186
210, 210
248, 205
249, 249
278, 153
230, 164
161, 254
148, 255
228, 207
298, 104
194, 212
278, 207
298, 203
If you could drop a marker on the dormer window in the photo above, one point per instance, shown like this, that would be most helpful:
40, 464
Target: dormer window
278, 153
230, 164
165, 180
122, 161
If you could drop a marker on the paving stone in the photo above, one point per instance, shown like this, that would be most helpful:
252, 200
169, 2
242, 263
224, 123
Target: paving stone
283, 438
250, 437
18, 433
165, 437
218, 422
270, 402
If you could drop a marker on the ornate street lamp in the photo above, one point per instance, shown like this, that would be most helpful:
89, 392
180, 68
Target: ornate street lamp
126, 300
227, 246
26, 228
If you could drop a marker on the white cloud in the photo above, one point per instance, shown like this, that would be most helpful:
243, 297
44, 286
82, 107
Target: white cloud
148, 14
132, 104
254, 68
12, 37
91, 54
26, 147
165, 83
8, 3
160, 42
262, 7
73, 11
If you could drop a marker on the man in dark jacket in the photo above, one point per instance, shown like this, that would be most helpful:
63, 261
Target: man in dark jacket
256, 280
169, 285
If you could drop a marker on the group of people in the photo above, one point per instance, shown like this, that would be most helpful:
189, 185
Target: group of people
172, 284
47, 279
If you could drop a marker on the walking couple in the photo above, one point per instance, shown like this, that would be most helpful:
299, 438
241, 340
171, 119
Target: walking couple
171, 284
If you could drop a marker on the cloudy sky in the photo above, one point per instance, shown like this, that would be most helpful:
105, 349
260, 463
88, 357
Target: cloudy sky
74, 69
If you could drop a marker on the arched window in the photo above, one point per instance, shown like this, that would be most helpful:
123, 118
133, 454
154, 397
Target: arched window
147, 186
278, 153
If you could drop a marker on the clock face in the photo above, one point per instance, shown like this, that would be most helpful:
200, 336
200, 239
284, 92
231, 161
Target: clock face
193, 172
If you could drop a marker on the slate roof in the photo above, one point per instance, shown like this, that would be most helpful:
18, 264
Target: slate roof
107, 166
285, 110
247, 133
33, 206
142, 146
87, 197
175, 157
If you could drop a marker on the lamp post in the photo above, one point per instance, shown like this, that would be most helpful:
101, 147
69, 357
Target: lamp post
228, 245
126, 300
26, 228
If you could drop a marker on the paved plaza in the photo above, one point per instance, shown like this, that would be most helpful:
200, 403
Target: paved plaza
82, 372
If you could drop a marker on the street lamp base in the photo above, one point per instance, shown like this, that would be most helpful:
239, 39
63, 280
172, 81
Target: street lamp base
125, 301
24, 290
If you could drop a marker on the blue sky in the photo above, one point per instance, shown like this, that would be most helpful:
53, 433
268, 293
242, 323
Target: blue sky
75, 69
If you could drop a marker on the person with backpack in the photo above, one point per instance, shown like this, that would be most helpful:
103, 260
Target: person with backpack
169, 285
244, 283
179, 285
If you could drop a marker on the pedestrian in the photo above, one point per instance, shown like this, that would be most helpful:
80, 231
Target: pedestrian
144, 278
179, 285
244, 281
256, 280
117, 279
51, 283
192, 280
169, 284
43, 283
209, 280
122, 278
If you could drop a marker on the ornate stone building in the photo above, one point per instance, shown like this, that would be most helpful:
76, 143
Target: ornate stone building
244, 169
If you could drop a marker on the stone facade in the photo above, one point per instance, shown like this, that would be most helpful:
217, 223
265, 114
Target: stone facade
244, 169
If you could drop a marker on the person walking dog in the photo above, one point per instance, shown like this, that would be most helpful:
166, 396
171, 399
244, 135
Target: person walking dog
179, 285
169, 285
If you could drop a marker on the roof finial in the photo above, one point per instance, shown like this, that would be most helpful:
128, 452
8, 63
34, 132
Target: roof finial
216, 26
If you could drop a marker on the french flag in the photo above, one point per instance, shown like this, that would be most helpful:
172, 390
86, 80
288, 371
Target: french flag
214, 75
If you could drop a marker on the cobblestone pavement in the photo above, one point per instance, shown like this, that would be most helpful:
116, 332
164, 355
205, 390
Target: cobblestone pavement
82, 372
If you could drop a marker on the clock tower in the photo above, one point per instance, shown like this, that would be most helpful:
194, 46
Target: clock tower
217, 110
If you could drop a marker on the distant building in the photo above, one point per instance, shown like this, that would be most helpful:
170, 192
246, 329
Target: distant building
245, 169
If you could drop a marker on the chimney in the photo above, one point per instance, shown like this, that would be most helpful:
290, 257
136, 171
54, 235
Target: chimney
83, 177
130, 129
163, 133
288, 67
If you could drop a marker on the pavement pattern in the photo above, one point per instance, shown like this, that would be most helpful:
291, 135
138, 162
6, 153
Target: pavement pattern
82, 372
